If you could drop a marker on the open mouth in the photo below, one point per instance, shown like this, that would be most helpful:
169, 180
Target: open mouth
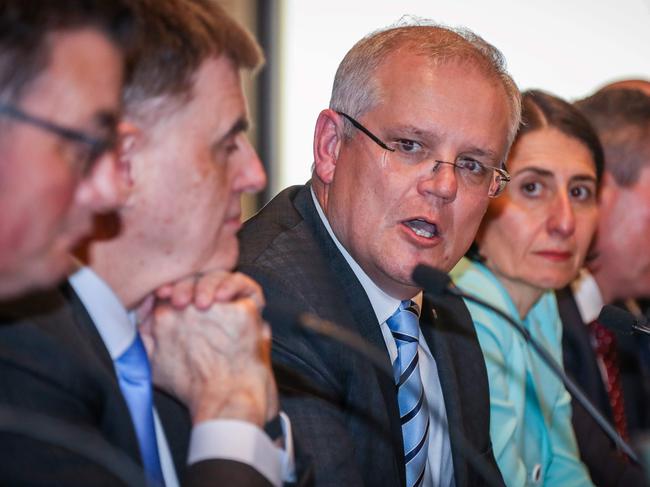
422, 228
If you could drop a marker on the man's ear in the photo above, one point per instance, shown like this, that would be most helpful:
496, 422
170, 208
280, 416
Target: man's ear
328, 137
128, 134
129, 137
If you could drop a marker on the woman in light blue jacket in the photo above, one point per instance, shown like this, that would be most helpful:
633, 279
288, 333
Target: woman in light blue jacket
533, 239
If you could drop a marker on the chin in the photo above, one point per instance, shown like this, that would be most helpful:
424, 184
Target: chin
51, 270
224, 260
553, 282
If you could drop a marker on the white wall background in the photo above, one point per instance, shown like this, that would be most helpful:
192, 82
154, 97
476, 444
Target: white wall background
568, 47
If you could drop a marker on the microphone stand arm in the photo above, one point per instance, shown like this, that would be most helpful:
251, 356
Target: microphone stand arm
571, 386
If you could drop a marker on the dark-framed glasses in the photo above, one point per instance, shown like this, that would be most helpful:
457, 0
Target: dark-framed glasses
90, 149
472, 174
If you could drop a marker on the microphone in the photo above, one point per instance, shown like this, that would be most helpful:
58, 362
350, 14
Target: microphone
310, 322
315, 324
437, 283
622, 321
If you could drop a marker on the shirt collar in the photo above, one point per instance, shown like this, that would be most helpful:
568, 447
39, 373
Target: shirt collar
587, 295
115, 325
383, 305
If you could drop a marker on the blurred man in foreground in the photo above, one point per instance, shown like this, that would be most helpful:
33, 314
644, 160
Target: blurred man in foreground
183, 139
61, 70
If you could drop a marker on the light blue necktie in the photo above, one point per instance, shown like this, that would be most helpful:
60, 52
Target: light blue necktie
134, 376
413, 411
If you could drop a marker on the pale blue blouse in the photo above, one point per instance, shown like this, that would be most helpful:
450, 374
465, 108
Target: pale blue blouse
530, 410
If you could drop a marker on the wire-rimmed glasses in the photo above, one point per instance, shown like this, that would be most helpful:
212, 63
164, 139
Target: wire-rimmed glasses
471, 173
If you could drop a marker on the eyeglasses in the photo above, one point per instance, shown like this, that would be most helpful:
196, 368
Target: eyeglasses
92, 148
471, 173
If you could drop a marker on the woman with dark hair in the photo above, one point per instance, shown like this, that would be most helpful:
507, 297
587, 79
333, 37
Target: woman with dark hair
533, 240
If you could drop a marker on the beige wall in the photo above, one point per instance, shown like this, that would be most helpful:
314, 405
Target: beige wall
245, 12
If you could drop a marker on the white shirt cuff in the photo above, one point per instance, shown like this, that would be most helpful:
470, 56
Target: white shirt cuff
246, 443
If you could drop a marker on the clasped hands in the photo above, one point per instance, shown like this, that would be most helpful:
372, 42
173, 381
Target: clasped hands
210, 348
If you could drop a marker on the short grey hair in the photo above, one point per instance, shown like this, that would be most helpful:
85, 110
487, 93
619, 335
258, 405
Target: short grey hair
356, 90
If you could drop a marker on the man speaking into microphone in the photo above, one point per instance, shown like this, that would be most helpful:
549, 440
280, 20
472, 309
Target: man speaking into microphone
406, 158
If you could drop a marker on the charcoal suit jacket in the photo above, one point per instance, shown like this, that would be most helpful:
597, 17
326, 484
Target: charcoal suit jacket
344, 410
53, 362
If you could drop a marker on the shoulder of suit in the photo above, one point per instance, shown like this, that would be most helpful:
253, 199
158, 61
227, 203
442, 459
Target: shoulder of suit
34, 306
277, 217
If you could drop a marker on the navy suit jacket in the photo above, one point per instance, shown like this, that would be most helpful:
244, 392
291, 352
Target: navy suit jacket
344, 410
53, 362
605, 464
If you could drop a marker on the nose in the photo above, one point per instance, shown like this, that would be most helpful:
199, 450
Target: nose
251, 177
561, 219
104, 188
439, 181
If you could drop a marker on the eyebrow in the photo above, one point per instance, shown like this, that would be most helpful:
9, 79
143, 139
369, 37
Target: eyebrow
411, 129
547, 174
241, 125
537, 170
483, 153
435, 139
584, 177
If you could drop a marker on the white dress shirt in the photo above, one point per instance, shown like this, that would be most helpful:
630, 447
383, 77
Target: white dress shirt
589, 301
588, 296
440, 467
222, 439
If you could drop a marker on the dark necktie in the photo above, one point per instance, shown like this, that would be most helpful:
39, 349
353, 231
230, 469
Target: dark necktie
606, 351
413, 410
134, 376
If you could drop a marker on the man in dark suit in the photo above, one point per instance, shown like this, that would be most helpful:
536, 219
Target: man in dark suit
75, 354
611, 367
61, 70
405, 160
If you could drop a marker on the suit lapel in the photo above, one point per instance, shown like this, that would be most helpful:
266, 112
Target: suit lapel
175, 418
87, 329
568, 307
578, 354
60, 332
85, 339
361, 309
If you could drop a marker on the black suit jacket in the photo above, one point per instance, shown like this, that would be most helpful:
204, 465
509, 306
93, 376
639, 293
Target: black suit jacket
344, 411
597, 451
53, 362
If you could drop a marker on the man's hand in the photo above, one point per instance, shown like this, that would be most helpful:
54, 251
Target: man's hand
214, 287
215, 361
209, 347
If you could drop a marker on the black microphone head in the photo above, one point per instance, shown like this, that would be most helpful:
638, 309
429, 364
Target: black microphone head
432, 280
617, 319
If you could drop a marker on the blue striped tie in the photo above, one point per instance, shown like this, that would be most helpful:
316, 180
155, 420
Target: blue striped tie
413, 411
